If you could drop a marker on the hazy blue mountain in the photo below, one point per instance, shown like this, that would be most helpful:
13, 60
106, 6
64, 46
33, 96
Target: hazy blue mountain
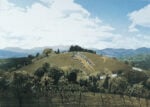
10, 54
123, 52
37, 49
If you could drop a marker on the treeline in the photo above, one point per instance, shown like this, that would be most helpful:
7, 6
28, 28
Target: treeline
11, 64
77, 48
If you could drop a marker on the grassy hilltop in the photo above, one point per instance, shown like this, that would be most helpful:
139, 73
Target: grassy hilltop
87, 62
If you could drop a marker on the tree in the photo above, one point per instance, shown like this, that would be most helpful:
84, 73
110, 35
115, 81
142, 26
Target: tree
83, 82
37, 54
58, 51
135, 76
72, 76
147, 83
106, 82
93, 84
137, 90
80, 49
118, 85
21, 86
30, 56
56, 74
39, 72
3, 84
47, 51
46, 67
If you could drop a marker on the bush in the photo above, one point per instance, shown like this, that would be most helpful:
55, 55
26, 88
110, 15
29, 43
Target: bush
47, 51
135, 76
118, 85
39, 72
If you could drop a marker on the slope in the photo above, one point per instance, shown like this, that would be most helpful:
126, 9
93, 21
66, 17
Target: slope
87, 62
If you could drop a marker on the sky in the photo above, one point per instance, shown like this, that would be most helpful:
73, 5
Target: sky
89, 23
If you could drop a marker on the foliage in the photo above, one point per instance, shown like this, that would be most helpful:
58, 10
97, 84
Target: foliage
80, 49
137, 90
135, 76
56, 74
3, 84
39, 72
47, 51
92, 84
14, 63
20, 86
140, 61
72, 75
118, 85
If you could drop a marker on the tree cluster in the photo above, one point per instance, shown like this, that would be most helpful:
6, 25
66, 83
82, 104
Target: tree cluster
77, 48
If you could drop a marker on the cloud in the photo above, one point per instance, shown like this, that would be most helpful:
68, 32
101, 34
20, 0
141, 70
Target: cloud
64, 22
126, 42
140, 18
61, 22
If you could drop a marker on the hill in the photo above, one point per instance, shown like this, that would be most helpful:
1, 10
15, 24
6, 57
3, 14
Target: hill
57, 78
11, 64
140, 61
87, 62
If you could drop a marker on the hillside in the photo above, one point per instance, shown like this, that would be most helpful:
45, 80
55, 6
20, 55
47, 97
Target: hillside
87, 62
140, 61
11, 64
55, 79
87, 100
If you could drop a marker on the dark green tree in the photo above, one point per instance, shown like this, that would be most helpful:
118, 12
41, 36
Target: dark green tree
4, 84
21, 86
72, 75
37, 54
106, 82
55, 73
39, 72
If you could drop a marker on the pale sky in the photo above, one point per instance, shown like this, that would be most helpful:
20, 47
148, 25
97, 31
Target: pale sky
88, 23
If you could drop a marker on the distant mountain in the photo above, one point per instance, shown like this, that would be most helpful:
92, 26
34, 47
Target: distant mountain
37, 49
123, 52
15, 52
10, 54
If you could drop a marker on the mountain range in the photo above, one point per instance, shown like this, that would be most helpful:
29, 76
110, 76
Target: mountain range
10, 52
123, 52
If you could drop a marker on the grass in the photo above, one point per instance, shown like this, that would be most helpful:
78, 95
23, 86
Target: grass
91, 64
